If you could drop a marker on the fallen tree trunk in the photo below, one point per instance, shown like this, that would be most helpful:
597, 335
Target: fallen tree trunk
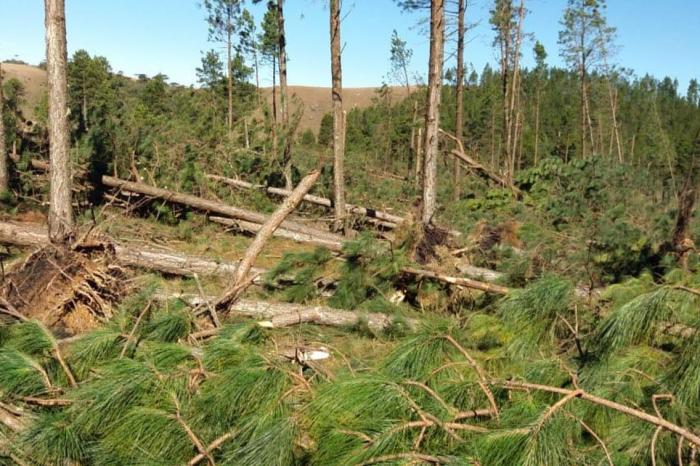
389, 220
475, 166
207, 205
459, 281
250, 227
278, 315
240, 279
150, 259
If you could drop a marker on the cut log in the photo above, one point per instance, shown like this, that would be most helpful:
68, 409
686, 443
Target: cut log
150, 259
249, 227
389, 220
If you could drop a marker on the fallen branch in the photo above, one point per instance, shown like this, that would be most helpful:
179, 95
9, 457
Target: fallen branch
644, 416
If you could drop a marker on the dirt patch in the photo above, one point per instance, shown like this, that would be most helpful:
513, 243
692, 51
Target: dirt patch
430, 238
67, 290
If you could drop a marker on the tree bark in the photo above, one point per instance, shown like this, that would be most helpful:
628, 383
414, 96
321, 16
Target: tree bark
168, 262
206, 205
249, 227
60, 206
338, 120
459, 96
284, 104
681, 242
432, 113
389, 220
263, 236
4, 169
229, 76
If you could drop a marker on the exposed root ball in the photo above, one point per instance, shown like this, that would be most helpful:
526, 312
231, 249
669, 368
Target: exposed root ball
429, 238
69, 291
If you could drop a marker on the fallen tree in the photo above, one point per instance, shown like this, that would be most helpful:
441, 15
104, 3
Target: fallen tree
207, 205
250, 227
150, 259
387, 220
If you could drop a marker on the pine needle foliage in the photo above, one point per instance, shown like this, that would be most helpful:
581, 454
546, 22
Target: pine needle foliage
534, 312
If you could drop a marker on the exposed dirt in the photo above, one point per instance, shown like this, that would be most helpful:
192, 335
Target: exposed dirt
68, 291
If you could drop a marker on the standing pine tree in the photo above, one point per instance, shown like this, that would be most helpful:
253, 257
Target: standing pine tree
4, 172
60, 206
585, 40
223, 17
400, 60
338, 118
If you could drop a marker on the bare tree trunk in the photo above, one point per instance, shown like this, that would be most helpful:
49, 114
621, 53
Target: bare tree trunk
537, 124
4, 170
274, 109
414, 144
419, 158
257, 76
432, 112
60, 207
338, 120
459, 95
262, 237
514, 108
229, 77
681, 242
284, 105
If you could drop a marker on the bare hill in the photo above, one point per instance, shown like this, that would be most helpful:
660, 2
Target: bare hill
316, 100
34, 80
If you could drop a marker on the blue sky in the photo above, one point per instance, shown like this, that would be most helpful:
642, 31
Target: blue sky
659, 37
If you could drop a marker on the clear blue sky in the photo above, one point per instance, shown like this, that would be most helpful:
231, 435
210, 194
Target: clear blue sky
659, 37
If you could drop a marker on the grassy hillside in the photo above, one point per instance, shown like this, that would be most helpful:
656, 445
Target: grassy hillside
316, 100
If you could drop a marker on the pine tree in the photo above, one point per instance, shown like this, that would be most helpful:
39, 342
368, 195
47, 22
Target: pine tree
585, 39
4, 169
223, 17
338, 118
60, 205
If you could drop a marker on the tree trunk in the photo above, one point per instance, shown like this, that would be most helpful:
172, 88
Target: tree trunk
206, 205
537, 124
338, 120
459, 95
284, 104
60, 207
305, 238
274, 110
229, 77
432, 113
390, 220
263, 236
4, 169
681, 242
163, 261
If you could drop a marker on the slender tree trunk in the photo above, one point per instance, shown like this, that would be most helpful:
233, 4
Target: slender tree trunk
338, 120
257, 76
432, 113
413, 153
274, 109
406, 81
514, 105
537, 124
4, 169
284, 105
459, 118
419, 158
229, 79
60, 207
